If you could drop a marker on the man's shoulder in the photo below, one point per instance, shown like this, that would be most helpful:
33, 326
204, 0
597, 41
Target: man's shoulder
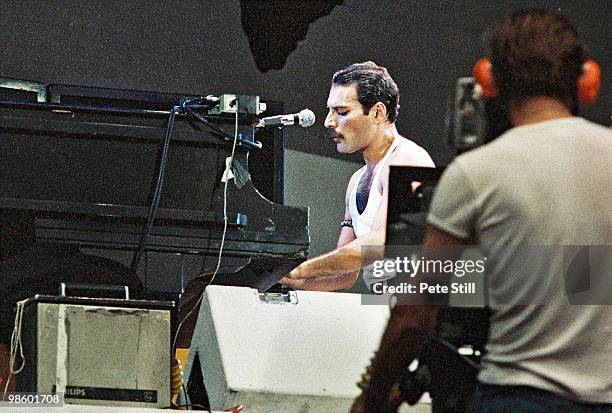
408, 153
519, 140
593, 128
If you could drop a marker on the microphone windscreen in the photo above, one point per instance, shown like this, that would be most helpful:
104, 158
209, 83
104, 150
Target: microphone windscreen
307, 118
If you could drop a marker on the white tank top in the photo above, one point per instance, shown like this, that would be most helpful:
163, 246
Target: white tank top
362, 223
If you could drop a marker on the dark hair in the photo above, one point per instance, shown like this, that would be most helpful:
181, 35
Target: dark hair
373, 85
537, 52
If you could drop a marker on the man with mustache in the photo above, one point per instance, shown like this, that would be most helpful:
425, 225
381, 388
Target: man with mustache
363, 106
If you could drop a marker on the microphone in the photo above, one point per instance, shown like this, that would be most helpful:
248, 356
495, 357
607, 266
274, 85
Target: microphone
304, 118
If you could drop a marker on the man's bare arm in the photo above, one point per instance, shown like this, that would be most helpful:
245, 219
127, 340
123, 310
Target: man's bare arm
337, 281
332, 281
349, 258
342, 265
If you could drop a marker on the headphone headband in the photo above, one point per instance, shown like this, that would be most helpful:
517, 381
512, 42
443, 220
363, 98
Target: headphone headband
589, 81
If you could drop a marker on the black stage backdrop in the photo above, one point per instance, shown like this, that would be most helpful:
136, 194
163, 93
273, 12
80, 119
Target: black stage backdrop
201, 46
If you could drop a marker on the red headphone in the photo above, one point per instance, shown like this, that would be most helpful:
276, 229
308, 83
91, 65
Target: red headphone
588, 82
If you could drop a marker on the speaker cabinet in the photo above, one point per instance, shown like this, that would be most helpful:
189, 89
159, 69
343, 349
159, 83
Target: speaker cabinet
301, 352
97, 351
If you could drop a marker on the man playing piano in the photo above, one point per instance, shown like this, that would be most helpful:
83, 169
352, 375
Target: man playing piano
363, 106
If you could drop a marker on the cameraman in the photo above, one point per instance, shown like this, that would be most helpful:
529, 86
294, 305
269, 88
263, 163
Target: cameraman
545, 182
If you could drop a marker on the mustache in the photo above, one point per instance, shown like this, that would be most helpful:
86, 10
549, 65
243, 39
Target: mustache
333, 134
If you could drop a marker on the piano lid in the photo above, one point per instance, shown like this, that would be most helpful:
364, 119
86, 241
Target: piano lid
83, 164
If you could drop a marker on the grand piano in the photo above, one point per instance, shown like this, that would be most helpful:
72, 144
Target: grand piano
80, 167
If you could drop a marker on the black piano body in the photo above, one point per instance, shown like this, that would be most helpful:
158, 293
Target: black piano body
84, 174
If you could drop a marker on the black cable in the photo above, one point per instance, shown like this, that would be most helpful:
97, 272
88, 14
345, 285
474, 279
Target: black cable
187, 401
158, 189
206, 122
455, 350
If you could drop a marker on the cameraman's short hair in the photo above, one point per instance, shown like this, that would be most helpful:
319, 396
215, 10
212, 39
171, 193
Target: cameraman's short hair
537, 52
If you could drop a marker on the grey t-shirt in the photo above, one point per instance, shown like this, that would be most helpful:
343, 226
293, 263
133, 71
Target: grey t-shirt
525, 198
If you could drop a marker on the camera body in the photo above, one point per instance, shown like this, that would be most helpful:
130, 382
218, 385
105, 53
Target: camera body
449, 363
472, 121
